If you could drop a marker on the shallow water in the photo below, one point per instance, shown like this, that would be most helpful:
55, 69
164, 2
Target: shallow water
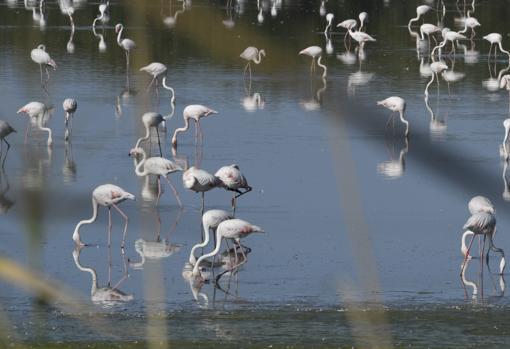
358, 251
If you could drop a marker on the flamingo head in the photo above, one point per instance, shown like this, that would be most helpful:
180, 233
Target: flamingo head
135, 152
41, 47
210, 111
118, 28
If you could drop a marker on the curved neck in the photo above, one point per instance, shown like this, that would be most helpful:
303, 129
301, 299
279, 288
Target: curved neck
204, 243
413, 20
182, 129
430, 83
405, 122
138, 167
502, 50
92, 272
257, 59
172, 100
322, 66
502, 264
120, 33
47, 129
76, 234
144, 138
210, 254
463, 247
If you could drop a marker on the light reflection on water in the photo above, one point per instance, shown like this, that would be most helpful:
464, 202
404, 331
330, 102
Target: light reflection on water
413, 222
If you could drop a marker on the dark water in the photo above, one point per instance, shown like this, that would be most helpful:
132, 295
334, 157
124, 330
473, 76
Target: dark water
363, 230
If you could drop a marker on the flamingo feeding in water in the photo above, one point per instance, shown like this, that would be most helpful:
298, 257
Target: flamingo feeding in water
504, 146
36, 111
41, 57
151, 119
252, 54
496, 39
102, 17
155, 69
348, 24
472, 23
200, 181
437, 68
107, 195
396, 104
314, 52
194, 112
233, 180
420, 11
5, 130
449, 35
70, 107
157, 166
360, 37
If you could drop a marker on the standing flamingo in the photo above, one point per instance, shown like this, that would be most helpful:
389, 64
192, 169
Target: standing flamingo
126, 44
437, 68
155, 69
41, 57
233, 180
347, 24
420, 11
200, 181
496, 39
360, 37
194, 112
157, 166
396, 104
107, 195
151, 119
472, 23
362, 18
102, 16
210, 220
230, 229
252, 54
429, 29
5, 130
70, 107
329, 21
315, 51
448, 35
36, 111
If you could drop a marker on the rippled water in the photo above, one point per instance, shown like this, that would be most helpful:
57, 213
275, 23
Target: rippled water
363, 229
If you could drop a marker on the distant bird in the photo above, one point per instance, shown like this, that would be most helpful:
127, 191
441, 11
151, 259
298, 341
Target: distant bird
230, 229
396, 104
437, 68
420, 11
151, 119
471, 23
314, 52
362, 18
194, 112
496, 39
360, 37
156, 70
252, 54
200, 181
449, 35
156, 166
348, 24
504, 145
107, 195
210, 221
127, 44
98, 294
5, 130
233, 180
70, 107
41, 57
36, 111
483, 223
329, 20
102, 16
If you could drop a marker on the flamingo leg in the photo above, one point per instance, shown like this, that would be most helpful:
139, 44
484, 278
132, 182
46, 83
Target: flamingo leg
233, 204
463, 265
109, 263
159, 190
203, 204
150, 84
200, 133
175, 191
8, 147
109, 226
40, 70
490, 51
125, 224
159, 142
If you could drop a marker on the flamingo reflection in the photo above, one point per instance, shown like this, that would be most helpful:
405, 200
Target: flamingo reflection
395, 167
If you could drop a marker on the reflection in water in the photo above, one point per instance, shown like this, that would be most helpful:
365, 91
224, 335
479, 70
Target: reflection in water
5, 130
437, 127
5, 202
506, 189
102, 43
358, 79
315, 102
171, 20
471, 55
394, 168
107, 295
123, 98
253, 102
477, 288
69, 166
38, 163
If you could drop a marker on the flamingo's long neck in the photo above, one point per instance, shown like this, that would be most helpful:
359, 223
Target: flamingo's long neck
322, 66
120, 33
204, 243
361, 25
507, 131
92, 272
47, 129
502, 264
76, 234
98, 18
430, 83
466, 282
258, 59
440, 46
182, 129
172, 100
138, 167
405, 122
413, 20
210, 254
502, 50
144, 138
463, 247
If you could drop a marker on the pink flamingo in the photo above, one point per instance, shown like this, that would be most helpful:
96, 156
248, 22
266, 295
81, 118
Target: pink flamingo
233, 180
194, 112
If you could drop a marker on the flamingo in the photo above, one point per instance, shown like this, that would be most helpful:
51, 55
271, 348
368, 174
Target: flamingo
195, 112
102, 43
504, 145
107, 195
126, 44
420, 11
449, 35
210, 220
151, 119
157, 166
362, 18
155, 69
172, 99
315, 51
396, 104
233, 180
483, 223
36, 111
101, 17
329, 20
252, 54
70, 107
428, 29
477, 204
5, 130
472, 23
41, 57
436, 67
230, 229
201, 181
496, 39
360, 37
347, 24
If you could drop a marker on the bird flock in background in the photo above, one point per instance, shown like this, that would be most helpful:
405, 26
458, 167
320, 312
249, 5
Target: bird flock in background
223, 225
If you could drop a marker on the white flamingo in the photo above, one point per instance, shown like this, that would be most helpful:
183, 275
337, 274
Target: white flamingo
329, 20
396, 104
155, 69
36, 111
41, 57
194, 112
200, 181
314, 52
252, 54
420, 11
233, 180
151, 119
70, 105
437, 68
362, 18
126, 44
102, 14
360, 37
107, 195
496, 39
471, 23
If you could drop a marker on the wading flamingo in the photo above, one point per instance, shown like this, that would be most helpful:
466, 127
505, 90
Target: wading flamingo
200, 181
314, 52
233, 180
41, 57
194, 112
252, 54
70, 107
396, 104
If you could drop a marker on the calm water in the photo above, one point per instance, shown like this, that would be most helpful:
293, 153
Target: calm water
362, 245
